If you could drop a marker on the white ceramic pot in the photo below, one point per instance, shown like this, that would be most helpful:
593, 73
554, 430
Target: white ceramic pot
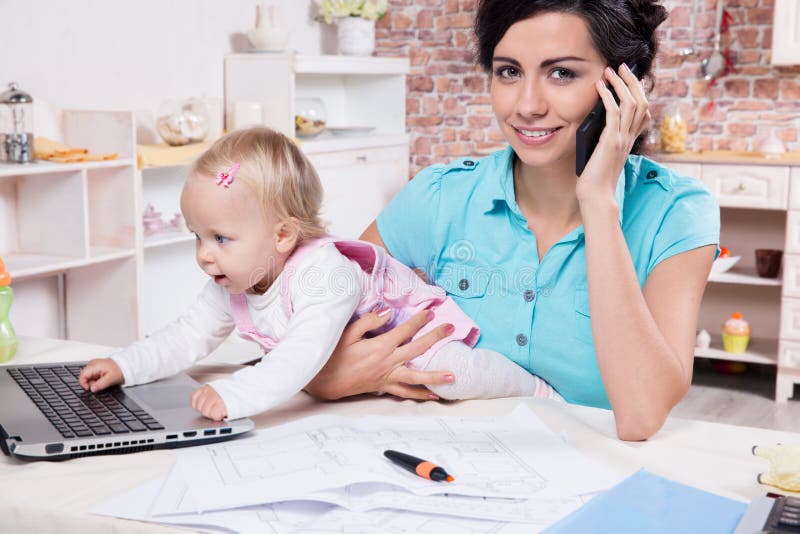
356, 36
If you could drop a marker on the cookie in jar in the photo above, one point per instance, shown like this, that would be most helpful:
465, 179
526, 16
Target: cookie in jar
673, 131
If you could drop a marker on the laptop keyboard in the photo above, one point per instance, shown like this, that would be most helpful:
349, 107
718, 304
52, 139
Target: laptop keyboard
76, 412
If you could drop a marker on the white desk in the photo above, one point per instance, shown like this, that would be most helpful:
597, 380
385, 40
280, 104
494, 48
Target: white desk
53, 496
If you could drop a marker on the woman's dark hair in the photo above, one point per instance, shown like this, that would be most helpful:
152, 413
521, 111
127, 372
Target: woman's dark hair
623, 31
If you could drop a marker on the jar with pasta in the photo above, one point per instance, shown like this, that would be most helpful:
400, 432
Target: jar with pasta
673, 131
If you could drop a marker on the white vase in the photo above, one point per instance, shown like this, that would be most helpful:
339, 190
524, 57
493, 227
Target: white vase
356, 36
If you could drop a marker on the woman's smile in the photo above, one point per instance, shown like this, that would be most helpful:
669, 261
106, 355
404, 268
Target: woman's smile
535, 136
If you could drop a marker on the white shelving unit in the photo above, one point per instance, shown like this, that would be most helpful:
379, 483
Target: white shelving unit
69, 236
760, 208
360, 174
171, 279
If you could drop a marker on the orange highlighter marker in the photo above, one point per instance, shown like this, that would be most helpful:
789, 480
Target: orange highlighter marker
418, 466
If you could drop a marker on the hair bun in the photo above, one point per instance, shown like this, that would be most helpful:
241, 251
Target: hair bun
648, 15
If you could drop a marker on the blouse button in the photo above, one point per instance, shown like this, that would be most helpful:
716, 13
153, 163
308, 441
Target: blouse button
528, 295
651, 175
463, 284
522, 340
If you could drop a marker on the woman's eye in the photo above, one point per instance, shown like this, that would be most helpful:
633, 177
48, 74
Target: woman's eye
562, 74
220, 238
506, 72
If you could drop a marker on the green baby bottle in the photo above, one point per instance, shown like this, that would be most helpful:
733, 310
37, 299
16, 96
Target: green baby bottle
8, 339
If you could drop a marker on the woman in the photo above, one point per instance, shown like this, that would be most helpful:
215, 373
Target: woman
593, 283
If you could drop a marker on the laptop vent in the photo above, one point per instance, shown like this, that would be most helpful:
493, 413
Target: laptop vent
118, 450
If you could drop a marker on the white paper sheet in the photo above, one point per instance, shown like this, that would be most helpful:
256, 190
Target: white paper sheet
513, 456
512, 475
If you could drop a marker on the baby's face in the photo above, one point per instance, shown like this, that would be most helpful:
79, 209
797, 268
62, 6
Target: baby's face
235, 245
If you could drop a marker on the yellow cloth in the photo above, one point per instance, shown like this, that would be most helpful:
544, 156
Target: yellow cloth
165, 155
784, 470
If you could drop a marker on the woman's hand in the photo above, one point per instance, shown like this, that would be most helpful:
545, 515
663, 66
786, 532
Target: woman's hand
366, 365
624, 123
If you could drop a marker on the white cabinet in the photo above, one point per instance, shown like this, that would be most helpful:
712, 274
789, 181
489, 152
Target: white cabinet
360, 173
760, 208
358, 184
786, 33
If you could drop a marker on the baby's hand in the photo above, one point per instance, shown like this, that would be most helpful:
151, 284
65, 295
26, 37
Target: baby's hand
99, 374
208, 402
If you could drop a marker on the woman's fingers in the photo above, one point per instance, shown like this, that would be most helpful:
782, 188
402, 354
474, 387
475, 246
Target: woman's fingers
406, 330
636, 88
620, 116
365, 323
418, 346
409, 392
406, 375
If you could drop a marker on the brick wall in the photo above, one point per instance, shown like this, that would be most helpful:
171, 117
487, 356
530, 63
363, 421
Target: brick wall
448, 109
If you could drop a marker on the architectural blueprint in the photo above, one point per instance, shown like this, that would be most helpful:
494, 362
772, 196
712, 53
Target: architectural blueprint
328, 475
513, 456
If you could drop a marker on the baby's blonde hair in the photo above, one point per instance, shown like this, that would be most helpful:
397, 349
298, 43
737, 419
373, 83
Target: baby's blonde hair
286, 185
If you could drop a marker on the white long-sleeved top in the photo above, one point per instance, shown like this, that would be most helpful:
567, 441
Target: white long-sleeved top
324, 292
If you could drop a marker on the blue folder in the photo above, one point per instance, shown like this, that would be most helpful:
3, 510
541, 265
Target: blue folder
645, 503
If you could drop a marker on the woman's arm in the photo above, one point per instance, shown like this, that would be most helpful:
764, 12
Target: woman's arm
365, 365
644, 338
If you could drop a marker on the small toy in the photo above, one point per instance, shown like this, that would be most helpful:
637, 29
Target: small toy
784, 470
703, 340
152, 221
735, 333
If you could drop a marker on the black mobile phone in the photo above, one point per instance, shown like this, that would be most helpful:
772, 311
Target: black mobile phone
589, 131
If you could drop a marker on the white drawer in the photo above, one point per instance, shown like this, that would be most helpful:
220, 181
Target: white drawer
748, 186
794, 189
345, 158
792, 232
789, 354
791, 275
790, 319
685, 169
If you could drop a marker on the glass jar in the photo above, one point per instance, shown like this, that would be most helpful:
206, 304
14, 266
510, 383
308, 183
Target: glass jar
310, 117
673, 131
182, 122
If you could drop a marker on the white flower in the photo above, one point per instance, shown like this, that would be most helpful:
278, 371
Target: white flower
366, 9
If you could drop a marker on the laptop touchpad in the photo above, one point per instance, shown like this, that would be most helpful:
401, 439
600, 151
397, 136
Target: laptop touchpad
164, 397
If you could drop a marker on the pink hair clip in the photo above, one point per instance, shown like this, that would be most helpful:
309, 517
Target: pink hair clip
225, 178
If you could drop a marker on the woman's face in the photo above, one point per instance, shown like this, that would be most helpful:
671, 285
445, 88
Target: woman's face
542, 86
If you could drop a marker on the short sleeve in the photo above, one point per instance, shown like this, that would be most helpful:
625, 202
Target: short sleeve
690, 221
406, 224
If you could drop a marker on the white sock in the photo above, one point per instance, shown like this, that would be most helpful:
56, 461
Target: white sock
485, 374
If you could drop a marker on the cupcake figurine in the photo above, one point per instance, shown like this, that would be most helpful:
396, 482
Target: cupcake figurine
735, 333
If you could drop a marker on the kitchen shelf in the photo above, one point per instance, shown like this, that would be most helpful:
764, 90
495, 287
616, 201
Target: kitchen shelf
25, 266
167, 238
759, 203
743, 276
48, 167
759, 350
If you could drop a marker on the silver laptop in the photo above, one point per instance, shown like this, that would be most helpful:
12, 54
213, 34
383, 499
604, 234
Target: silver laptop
46, 415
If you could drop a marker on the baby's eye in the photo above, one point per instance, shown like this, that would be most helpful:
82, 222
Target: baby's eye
220, 238
197, 237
